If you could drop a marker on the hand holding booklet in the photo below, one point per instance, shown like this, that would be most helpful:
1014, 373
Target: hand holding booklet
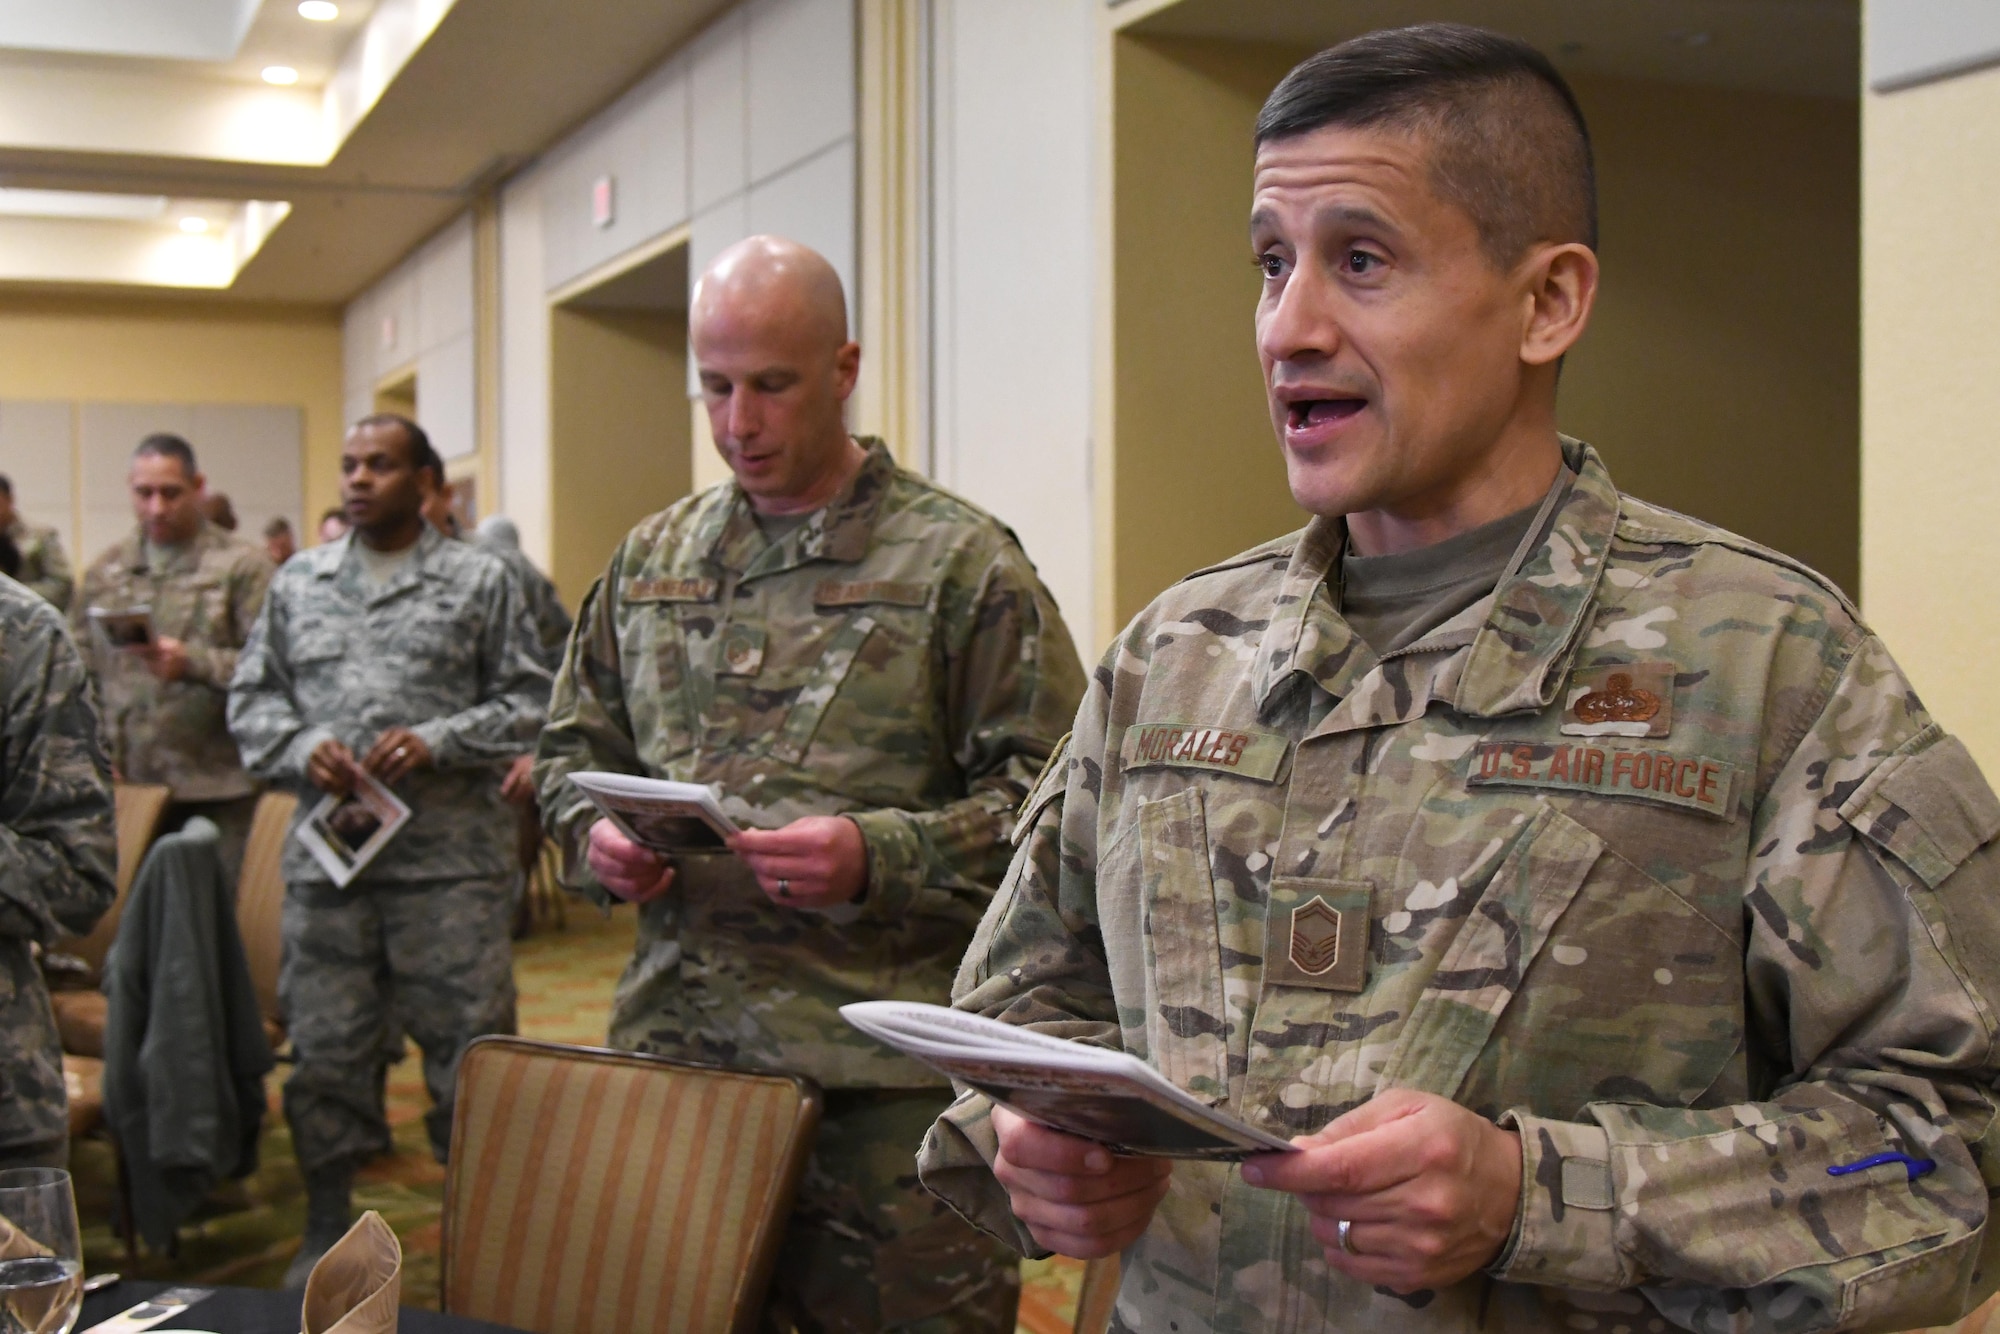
655, 813
1108, 1096
344, 834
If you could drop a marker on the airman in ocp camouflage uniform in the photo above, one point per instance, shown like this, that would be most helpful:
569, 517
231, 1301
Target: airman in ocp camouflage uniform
56, 859
164, 706
413, 658
878, 664
44, 565
1616, 946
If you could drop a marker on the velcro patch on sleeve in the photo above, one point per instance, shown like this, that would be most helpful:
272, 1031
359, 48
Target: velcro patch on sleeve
1248, 752
671, 590
1696, 782
834, 593
1928, 805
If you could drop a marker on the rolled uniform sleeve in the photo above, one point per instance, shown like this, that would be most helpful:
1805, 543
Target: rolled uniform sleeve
1013, 682
264, 717
1873, 972
589, 727
56, 832
513, 686
1038, 961
249, 583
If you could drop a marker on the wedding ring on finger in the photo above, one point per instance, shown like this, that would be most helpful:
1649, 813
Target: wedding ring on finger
784, 888
1347, 1237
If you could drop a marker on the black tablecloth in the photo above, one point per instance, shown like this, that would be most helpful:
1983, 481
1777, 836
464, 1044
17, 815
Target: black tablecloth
256, 1311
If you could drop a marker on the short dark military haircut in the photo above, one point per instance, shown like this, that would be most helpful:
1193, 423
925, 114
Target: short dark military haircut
166, 445
1507, 140
423, 457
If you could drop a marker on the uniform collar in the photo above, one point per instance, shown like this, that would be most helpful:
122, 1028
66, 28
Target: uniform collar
345, 567
187, 554
841, 530
1516, 659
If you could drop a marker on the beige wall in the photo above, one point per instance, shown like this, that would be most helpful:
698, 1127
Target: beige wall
1196, 473
1718, 377
1721, 372
619, 444
1930, 466
183, 352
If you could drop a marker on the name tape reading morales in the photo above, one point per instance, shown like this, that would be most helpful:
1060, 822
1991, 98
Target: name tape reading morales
1231, 750
671, 590
1695, 781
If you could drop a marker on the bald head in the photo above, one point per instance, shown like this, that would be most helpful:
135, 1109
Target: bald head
768, 279
768, 327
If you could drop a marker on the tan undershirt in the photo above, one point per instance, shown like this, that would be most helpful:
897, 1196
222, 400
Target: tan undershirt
1393, 601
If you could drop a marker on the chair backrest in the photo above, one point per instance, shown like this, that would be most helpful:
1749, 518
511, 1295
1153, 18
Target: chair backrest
140, 808
594, 1191
1098, 1298
260, 896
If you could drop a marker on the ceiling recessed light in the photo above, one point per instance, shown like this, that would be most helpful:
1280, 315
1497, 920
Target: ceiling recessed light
194, 226
319, 11
282, 75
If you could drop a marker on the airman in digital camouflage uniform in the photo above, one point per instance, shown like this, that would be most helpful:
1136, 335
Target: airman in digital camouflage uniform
871, 673
56, 859
398, 651
164, 703
44, 566
1597, 908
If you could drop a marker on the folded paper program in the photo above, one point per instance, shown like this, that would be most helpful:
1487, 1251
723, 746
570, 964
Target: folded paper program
357, 1286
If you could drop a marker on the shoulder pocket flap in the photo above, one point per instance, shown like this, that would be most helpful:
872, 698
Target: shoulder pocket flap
1049, 785
833, 593
671, 590
1927, 805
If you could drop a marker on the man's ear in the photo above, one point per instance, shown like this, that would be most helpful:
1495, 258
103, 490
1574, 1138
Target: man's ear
1561, 289
846, 369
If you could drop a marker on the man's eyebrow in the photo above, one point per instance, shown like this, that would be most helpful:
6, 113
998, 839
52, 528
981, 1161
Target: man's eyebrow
1354, 215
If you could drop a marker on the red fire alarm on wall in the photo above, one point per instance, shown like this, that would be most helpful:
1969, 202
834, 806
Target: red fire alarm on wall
603, 201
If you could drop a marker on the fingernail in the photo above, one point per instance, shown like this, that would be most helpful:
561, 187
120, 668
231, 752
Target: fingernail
1097, 1160
1253, 1172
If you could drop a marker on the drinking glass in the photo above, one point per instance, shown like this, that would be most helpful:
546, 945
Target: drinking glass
41, 1252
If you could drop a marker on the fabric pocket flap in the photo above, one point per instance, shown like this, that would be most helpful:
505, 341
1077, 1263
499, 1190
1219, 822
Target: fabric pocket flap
1927, 805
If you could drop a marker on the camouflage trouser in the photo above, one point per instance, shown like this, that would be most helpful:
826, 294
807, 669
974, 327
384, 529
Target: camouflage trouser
432, 955
869, 1249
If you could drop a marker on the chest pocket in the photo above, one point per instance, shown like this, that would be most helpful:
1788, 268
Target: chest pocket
1187, 1026
659, 618
871, 680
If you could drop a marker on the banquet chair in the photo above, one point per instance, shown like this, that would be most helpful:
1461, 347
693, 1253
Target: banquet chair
260, 905
80, 1007
594, 1191
1098, 1296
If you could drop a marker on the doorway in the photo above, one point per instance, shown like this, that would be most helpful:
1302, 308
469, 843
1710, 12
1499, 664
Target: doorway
620, 446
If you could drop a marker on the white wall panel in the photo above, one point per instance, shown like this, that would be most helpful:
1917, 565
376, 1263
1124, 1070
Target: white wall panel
443, 280
1916, 41
719, 111
35, 455
801, 70
524, 367
254, 452
813, 204
640, 142
446, 399
1012, 352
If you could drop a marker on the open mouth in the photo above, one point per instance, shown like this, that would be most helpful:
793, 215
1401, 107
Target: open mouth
1309, 412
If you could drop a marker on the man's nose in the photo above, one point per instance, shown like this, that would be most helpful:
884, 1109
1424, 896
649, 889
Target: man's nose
744, 416
1297, 325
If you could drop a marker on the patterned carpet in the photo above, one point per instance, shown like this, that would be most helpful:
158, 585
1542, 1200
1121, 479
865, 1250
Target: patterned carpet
248, 1231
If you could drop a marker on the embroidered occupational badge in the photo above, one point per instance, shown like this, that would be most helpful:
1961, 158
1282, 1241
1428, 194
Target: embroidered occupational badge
1622, 699
1315, 937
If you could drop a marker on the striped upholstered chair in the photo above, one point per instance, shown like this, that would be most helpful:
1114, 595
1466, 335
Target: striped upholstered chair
593, 1192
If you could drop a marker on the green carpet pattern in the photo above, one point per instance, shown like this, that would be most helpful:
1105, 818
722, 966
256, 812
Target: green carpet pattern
248, 1230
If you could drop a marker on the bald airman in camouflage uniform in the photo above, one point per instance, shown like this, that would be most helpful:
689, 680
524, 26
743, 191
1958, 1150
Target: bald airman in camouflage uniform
1616, 946
164, 713
416, 662
886, 667
56, 859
